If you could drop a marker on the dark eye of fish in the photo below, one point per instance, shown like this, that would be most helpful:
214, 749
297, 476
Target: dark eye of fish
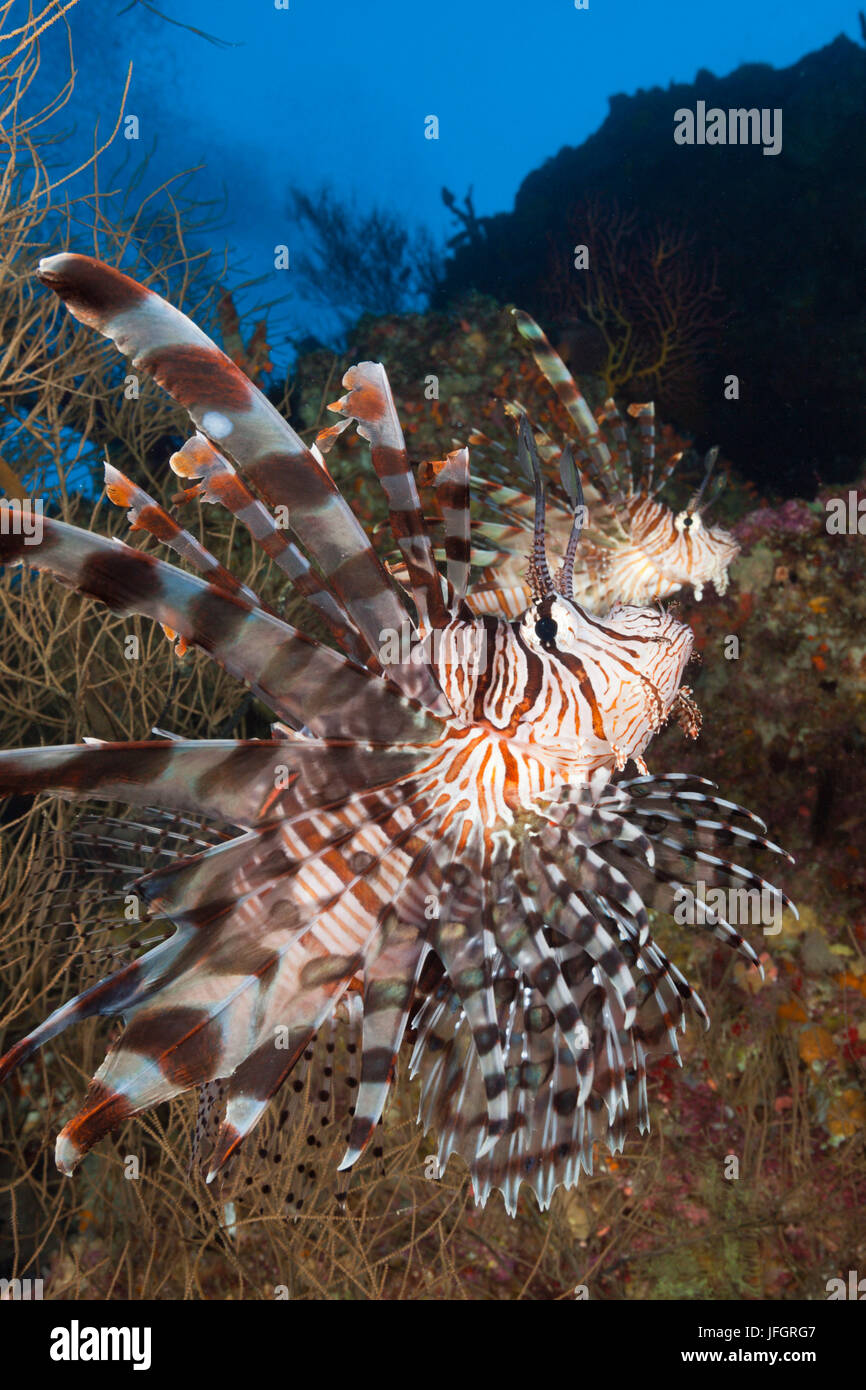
687, 520
545, 631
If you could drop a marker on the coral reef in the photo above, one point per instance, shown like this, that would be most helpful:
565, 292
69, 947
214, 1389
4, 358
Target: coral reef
778, 1083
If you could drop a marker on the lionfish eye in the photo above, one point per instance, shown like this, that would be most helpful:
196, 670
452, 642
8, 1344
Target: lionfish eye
545, 630
687, 520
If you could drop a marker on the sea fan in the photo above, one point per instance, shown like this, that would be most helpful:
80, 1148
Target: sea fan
434, 841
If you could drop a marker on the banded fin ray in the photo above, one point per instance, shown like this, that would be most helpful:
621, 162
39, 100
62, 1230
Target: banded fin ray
292, 673
231, 411
219, 483
369, 402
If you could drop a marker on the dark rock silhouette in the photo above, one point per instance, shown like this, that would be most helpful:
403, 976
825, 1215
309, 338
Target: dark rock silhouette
789, 234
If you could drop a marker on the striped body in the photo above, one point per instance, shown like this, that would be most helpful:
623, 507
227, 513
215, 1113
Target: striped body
594, 703
434, 840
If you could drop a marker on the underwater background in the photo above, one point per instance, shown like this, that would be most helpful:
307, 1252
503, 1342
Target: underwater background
322, 184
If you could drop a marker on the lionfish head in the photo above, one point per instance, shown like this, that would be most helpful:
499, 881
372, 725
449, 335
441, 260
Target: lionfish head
701, 553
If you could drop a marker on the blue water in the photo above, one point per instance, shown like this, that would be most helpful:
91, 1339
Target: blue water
338, 93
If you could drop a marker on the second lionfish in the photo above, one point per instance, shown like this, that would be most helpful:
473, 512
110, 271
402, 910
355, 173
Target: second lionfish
634, 549
438, 846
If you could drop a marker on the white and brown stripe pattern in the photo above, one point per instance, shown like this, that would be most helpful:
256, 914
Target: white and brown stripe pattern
432, 844
634, 549
237, 419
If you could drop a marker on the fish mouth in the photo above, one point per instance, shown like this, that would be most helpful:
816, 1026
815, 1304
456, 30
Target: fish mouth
727, 548
714, 571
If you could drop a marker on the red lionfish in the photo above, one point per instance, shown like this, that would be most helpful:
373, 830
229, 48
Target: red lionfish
634, 549
436, 844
